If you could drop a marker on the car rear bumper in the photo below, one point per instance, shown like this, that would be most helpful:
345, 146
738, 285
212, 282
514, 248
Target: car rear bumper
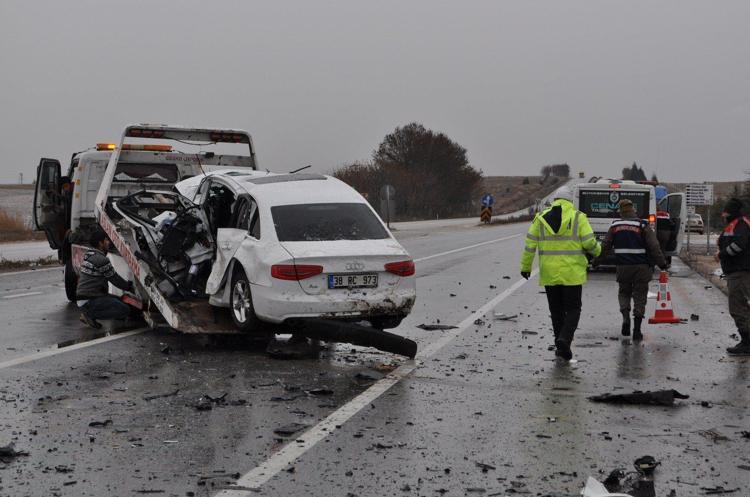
275, 307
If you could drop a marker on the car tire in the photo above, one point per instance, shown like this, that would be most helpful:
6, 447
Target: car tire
386, 322
71, 281
241, 303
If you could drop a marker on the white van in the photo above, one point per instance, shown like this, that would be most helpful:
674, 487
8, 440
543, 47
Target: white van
599, 202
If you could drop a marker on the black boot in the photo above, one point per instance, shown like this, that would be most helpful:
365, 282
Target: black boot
563, 349
742, 348
637, 335
625, 324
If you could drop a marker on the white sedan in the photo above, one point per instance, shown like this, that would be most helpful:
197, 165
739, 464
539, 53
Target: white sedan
299, 246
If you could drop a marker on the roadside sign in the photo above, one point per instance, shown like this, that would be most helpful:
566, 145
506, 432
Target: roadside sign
387, 192
487, 200
691, 209
700, 194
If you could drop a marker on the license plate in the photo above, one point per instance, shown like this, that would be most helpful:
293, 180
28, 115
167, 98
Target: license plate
352, 280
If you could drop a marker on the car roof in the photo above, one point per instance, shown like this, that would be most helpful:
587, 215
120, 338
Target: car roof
289, 189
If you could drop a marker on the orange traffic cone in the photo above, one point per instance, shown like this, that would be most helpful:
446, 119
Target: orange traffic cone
664, 312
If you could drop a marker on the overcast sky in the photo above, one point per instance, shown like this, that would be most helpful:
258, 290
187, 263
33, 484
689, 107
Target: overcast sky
596, 84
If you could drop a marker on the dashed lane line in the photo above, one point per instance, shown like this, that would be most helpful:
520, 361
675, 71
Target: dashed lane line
19, 295
249, 484
468, 247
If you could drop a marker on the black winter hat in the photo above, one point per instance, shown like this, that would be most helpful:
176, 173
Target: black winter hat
733, 207
97, 237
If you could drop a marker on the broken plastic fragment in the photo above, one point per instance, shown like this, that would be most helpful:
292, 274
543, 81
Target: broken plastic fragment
594, 488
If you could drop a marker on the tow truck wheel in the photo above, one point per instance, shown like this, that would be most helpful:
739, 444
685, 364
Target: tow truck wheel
241, 301
71, 281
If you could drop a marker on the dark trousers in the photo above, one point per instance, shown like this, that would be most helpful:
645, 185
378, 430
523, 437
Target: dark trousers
565, 308
634, 280
108, 307
738, 284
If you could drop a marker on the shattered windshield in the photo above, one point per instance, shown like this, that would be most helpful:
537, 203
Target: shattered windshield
324, 222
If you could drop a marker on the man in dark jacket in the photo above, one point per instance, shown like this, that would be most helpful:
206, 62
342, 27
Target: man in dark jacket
92, 293
734, 255
636, 250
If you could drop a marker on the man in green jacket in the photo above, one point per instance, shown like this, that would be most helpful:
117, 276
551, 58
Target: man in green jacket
565, 241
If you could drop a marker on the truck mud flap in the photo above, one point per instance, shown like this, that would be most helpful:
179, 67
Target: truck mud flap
341, 331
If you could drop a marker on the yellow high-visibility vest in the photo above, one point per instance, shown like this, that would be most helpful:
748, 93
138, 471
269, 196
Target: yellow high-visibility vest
562, 254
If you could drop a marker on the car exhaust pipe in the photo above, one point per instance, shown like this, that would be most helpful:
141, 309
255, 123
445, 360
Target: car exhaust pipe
329, 330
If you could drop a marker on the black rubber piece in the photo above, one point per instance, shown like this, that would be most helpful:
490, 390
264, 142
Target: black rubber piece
330, 330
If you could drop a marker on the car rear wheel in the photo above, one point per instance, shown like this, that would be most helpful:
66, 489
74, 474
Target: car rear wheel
71, 281
241, 303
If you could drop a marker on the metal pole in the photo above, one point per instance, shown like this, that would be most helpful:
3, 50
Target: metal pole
708, 230
687, 228
388, 207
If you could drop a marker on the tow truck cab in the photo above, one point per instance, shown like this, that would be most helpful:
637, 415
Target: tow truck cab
667, 217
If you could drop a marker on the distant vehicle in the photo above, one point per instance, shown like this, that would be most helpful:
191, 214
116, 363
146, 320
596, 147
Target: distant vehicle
695, 223
599, 201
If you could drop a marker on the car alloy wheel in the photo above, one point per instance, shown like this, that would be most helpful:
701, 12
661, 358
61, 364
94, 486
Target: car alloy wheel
241, 303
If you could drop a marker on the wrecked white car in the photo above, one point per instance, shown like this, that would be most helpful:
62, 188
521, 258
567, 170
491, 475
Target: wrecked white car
238, 250
271, 247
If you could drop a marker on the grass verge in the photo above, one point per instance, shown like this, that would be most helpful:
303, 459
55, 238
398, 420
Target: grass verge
42, 262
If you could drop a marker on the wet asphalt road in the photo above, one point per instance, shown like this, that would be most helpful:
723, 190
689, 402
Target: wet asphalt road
488, 393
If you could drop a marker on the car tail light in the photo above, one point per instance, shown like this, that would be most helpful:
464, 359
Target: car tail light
403, 268
295, 272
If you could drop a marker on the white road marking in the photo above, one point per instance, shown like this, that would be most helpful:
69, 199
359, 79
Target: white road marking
259, 475
468, 247
55, 351
19, 295
58, 268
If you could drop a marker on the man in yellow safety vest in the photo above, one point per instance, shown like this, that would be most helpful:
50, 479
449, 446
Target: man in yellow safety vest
566, 242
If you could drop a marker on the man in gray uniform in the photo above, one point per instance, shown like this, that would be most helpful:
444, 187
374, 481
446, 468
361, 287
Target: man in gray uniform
92, 293
636, 250
734, 255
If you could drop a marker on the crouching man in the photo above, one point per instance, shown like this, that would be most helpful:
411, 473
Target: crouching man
93, 295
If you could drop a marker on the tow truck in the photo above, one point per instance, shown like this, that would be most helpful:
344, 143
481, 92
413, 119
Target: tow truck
67, 208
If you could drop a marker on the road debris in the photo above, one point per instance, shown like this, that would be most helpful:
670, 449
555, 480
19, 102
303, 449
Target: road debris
161, 395
654, 398
100, 424
319, 391
694, 317
713, 435
290, 429
501, 316
595, 488
433, 327
9, 452
718, 490
485, 467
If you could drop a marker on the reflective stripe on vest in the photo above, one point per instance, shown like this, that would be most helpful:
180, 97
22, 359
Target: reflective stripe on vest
627, 242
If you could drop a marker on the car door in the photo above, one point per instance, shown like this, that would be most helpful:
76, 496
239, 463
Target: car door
245, 225
49, 203
675, 204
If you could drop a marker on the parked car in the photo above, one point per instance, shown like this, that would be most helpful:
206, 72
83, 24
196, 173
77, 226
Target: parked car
694, 223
